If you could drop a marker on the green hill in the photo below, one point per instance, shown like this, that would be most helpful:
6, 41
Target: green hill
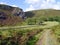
38, 16
43, 12
34, 28
14, 15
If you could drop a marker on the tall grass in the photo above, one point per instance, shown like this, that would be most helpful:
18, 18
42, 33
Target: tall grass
18, 36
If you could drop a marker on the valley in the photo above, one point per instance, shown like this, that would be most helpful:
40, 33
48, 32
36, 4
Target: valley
37, 27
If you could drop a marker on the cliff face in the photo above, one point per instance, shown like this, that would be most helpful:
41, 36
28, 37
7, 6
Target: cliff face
18, 12
10, 15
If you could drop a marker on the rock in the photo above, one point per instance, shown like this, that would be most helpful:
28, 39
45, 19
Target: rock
10, 15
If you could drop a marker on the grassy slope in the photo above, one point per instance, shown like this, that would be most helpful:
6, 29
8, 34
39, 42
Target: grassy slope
43, 13
46, 13
22, 34
56, 30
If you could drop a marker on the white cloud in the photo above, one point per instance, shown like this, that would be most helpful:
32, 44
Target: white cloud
3, 3
8, 4
42, 4
56, 6
30, 8
31, 1
14, 5
52, 1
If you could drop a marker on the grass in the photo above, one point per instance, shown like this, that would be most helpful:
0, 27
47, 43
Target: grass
8, 34
20, 35
56, 30
34, 39
43, 13
29, 35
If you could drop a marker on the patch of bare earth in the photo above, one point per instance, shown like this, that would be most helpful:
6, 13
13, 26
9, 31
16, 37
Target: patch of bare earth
47, 38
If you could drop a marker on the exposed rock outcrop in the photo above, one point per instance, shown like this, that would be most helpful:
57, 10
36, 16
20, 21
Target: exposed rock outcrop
10, 15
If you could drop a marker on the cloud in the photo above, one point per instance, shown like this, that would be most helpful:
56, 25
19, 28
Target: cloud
14, 6
42, 4
3, 3
8, 4
32, 1
30, 8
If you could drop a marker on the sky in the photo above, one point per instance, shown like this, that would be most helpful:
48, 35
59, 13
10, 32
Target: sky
28, 5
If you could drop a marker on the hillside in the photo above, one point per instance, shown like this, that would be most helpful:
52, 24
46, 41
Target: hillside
43, 13
10, 15
39, 16
38, 27
15, 16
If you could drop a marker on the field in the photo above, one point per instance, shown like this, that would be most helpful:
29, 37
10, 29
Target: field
38, 27
56, 30
28, 35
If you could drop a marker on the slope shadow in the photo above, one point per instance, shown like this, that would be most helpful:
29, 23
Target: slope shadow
29, 14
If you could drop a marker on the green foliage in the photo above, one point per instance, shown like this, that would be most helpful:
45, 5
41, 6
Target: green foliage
37, 16
32, 41
56, 30
35, 20
31, 21
15, 36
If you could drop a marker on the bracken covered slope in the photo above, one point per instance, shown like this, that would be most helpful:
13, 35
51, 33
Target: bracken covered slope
10, 15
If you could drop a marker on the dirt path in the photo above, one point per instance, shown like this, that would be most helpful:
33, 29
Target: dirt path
47, 38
